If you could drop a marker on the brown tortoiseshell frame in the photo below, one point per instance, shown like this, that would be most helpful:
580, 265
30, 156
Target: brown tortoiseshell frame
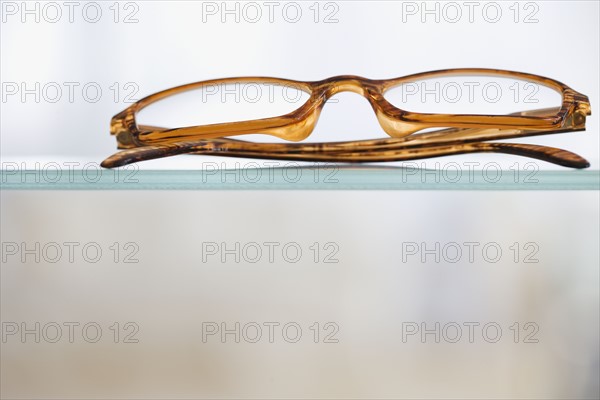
464, 133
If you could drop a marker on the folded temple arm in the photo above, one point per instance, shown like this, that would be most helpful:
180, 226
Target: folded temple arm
438, 143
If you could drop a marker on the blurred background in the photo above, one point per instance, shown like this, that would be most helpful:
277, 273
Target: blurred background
189, 261
288, 294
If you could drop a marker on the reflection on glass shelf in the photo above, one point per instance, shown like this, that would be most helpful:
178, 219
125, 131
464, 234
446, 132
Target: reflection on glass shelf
328, 177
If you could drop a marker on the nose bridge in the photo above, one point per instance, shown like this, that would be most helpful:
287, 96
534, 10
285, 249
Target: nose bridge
346, 83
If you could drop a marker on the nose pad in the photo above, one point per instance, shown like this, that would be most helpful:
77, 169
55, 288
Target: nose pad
299, 130
397, 128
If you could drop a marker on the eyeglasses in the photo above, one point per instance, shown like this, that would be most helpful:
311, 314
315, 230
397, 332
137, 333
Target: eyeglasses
455, 133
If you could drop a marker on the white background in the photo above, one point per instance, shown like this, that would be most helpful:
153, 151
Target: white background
175, 43
369, 293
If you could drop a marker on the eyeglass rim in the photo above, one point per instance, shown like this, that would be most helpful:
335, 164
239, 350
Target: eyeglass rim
125, 126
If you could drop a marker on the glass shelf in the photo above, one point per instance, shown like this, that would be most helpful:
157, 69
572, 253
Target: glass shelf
300, 178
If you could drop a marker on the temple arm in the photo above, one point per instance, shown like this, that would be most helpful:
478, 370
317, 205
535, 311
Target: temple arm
362, 151
438, 143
